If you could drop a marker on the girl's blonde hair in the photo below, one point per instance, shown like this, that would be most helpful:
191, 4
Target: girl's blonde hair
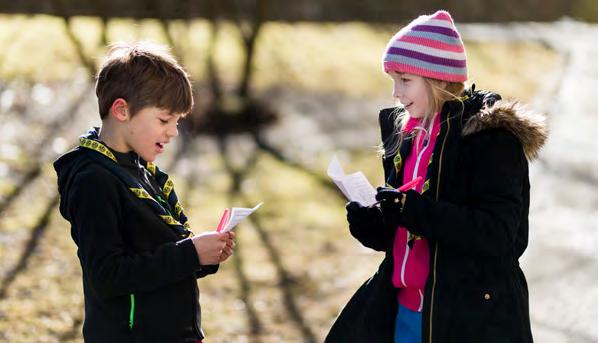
439, 92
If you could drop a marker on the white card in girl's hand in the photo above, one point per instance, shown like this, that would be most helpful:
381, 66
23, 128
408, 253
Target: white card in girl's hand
355, 187
237, 214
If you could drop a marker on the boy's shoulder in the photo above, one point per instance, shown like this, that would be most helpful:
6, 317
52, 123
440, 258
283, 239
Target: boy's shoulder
80, 178
77, 168
92, 172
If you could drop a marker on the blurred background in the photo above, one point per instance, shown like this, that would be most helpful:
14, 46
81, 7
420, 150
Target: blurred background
280, 87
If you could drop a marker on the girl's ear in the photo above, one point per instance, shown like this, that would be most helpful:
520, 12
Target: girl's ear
120, 110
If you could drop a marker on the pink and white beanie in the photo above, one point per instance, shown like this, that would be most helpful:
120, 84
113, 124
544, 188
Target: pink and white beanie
430, 46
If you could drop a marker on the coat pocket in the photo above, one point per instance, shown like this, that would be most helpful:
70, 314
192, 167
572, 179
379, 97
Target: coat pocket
481, 315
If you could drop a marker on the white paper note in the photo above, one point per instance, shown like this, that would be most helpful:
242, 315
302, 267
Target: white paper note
237, 214
355, 186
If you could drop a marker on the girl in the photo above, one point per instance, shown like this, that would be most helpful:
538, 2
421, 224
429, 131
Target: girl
453, 239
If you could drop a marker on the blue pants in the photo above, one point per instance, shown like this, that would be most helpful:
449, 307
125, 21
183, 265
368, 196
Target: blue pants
408, 326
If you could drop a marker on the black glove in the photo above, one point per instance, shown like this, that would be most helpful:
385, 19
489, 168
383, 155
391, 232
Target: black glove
391, 205
366, 224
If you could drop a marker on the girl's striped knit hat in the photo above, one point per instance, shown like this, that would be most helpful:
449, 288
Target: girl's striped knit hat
430, 46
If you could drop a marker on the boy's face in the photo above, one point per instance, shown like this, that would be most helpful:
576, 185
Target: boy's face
412, 92
148, 131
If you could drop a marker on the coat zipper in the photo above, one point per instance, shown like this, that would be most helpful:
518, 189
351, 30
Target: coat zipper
413, 177
424, 148
132, 312
404, 265
448, 130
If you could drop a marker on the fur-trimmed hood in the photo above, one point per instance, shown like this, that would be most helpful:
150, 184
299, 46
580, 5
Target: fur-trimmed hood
528, 126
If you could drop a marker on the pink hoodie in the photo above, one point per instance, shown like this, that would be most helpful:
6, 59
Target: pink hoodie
412, 264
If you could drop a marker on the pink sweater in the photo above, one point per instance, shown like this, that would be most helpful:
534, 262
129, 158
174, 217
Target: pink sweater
412, 263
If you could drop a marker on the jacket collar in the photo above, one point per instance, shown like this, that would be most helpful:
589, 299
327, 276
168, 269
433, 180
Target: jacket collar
482, 110
528, 126
127, 159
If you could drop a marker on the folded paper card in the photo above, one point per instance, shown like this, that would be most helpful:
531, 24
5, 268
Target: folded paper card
355, 187
231, 218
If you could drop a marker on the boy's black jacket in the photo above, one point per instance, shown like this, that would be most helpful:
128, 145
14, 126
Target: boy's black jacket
139, 278
475, 217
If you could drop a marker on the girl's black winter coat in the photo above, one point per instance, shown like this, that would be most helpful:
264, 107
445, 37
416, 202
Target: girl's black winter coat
475, 216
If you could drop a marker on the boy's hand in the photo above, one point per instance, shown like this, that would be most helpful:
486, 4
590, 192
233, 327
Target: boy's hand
212, 246
228, 249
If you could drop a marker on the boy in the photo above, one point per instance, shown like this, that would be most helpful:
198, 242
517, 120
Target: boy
139, 259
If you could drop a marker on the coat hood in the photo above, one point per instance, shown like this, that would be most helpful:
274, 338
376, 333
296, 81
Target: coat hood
66, 167
528, 126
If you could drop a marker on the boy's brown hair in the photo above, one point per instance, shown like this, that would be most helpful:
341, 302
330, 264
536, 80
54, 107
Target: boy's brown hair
144, 74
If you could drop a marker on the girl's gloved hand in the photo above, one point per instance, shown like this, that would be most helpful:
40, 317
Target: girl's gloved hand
363, 220
391, 204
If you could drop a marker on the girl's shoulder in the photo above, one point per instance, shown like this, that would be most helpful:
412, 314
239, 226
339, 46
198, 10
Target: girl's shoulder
525, 124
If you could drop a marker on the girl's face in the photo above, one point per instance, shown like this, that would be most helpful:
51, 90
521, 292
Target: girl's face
413, 93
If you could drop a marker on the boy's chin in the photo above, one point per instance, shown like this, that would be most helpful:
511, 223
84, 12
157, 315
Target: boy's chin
148, 157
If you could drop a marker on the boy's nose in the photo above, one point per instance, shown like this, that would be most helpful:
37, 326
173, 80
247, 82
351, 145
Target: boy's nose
172, 131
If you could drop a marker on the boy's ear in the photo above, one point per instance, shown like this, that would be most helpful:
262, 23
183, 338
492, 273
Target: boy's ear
120, 110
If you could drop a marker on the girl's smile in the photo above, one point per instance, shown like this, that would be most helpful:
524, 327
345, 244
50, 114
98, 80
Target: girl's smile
413, 93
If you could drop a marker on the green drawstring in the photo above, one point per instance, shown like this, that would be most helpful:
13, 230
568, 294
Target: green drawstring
163, 203
132, 313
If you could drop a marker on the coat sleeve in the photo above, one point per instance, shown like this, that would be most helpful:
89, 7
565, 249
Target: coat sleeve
95, 215
487, 223
377, 238
207, 270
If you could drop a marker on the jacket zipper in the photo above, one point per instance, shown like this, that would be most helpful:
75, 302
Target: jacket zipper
413, 177
448, 130
132, 312
425, 146
404, 265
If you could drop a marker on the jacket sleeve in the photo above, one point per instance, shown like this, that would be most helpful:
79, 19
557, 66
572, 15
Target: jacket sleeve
206, 270
95, 214
487, 223
379, 241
